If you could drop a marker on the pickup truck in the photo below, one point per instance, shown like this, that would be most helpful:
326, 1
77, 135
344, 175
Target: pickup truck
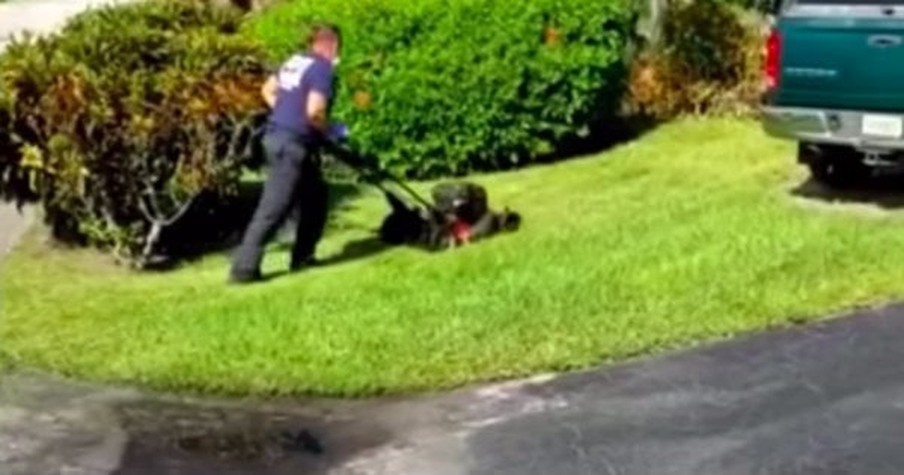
834, 74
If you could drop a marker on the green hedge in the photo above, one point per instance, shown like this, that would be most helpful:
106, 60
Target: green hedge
119, 123
439, 87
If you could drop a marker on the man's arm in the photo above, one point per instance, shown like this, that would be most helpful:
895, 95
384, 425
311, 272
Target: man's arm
319, 97
268, 91
317, 111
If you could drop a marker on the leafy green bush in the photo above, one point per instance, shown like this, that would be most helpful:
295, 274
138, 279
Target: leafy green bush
707, 61
439, 87
122, 120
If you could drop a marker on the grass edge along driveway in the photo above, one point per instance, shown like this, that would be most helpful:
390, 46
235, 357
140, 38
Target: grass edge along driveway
690, 234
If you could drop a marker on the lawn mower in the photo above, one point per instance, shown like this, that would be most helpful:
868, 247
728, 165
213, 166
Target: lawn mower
459, 213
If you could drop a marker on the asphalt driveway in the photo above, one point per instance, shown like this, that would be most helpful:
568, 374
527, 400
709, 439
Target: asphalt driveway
826, 399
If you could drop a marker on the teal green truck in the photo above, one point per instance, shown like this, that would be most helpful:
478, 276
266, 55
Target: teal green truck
834, 73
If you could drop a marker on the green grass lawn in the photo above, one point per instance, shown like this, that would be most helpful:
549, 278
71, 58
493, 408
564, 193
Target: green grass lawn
687, 235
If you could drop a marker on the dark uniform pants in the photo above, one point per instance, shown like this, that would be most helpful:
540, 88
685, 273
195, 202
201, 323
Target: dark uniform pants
294, 179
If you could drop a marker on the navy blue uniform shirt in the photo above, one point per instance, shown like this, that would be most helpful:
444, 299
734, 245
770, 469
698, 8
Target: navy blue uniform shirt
298, 76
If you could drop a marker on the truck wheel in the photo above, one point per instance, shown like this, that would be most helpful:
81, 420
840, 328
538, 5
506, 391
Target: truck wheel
834, 167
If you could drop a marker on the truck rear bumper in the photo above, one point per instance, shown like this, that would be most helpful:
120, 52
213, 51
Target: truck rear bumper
830, 127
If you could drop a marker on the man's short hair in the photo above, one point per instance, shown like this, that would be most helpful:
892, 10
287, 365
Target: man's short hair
321, 31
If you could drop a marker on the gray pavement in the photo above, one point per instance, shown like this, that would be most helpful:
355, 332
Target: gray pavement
13, 223
825, 399
40, 16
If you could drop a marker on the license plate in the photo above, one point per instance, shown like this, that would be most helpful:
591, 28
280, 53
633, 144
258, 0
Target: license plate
886, 126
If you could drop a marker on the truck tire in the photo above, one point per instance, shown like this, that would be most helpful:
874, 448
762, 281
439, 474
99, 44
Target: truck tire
834, 167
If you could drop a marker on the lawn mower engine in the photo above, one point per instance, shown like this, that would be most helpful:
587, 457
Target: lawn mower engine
459, 214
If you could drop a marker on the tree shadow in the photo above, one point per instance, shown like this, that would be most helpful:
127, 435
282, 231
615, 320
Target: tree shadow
215, 224
614, 133
603, 137
884, 190
600, 138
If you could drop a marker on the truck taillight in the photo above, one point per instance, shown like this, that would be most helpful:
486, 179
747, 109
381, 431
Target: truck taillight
772, 64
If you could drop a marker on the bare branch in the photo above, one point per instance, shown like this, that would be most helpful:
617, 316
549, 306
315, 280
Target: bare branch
151, 239
145, 211
180, 212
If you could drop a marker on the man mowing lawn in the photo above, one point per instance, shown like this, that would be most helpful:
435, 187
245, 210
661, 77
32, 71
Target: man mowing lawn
299, 95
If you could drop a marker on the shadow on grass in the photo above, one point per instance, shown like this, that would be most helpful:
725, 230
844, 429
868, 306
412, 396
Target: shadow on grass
885, 191
615, 133
359, 249
215, 224
351, 251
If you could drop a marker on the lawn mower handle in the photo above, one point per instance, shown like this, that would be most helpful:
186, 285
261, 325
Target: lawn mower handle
369, 168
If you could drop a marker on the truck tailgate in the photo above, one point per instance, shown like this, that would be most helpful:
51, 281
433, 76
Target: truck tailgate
842, 63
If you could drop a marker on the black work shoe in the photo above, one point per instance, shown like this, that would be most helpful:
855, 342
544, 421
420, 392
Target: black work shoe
245, 278
298, 266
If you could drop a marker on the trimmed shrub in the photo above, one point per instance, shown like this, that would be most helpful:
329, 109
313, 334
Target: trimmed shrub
707, 62
122, 120
438, 87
